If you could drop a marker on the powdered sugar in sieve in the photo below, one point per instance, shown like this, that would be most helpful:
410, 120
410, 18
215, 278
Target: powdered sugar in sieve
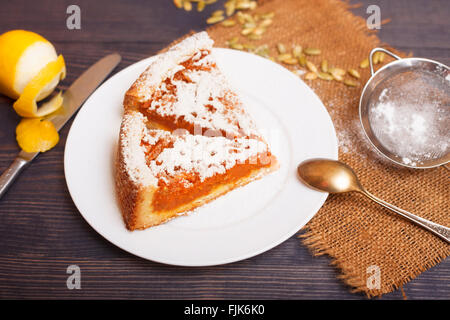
409, 114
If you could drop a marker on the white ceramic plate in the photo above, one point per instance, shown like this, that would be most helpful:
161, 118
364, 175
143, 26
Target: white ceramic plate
243, 223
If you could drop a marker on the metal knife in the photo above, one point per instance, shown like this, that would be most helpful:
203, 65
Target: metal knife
73, 98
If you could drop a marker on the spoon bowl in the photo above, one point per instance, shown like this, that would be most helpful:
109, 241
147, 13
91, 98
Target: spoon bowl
328, 175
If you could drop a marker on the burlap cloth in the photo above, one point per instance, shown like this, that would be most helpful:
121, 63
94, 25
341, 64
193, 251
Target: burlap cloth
353, 231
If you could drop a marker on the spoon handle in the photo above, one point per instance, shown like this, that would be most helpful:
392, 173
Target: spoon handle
437, 229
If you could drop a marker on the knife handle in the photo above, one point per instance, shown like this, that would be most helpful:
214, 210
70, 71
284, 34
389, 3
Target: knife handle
10, 174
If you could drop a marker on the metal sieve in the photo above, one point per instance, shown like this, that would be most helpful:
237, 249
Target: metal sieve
405, 111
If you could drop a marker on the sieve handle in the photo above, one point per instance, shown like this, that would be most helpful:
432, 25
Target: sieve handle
382, 50
439, 230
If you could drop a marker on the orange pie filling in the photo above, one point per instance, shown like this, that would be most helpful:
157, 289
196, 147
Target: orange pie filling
187, 187
174, 191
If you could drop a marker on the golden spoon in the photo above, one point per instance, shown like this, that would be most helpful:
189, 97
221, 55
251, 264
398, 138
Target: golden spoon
337, 177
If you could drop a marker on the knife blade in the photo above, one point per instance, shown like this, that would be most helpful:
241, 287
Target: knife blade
73, 98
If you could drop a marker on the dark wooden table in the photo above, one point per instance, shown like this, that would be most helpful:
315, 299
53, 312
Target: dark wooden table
41, 231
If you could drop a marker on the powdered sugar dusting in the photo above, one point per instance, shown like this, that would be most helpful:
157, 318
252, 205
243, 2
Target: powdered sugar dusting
196, 91
204, 101
167, 64
205, 156
411, 117
133, 130
202, 155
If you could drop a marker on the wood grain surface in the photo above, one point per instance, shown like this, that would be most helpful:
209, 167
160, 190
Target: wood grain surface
42, 232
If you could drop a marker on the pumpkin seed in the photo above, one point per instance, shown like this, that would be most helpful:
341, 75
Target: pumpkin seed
281, 48
259, 31
324, 66
248, 46
266, 23
217, 13
252, 36
240, 17
214, 19
262, 51
377, 57
337, 77
201, 6
228, 23
249, 25
350, 83
336, 71
248, 17
312, 51
284, 56
311, 66
233, 40
325, 76
187, 5
243, 5
302, 60
364, 64
290, 61
354, 73
298, 72
268, 15
297, 51
230, 8
247, 31
311, 76
178, 3
237, 46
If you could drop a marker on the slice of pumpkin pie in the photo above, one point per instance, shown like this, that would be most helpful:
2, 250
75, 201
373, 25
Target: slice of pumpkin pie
185, 138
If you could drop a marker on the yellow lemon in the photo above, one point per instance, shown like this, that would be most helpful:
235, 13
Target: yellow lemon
35, 135
22, 55
30, 70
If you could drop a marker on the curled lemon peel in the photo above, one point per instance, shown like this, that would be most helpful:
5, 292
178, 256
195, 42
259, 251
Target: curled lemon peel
26, 105
36, 135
